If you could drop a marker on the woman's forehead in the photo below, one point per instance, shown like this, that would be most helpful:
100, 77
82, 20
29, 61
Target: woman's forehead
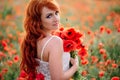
46, 10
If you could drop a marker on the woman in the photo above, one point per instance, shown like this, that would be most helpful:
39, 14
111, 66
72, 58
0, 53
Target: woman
41, 51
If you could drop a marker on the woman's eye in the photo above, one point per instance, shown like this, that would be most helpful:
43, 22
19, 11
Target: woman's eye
57, 12
49, 16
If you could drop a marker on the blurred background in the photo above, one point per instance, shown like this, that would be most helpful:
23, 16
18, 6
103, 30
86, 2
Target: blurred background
98, 20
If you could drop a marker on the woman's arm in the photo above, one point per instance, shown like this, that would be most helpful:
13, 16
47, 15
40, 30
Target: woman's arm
68, 74
55, 61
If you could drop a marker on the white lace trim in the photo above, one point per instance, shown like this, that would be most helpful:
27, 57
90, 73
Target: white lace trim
44, 66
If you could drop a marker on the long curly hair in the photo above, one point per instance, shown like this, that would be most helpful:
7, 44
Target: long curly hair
33, 32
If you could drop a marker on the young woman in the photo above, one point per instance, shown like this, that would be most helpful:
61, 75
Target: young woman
41, 51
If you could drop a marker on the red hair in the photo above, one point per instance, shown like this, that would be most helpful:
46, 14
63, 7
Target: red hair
32, 24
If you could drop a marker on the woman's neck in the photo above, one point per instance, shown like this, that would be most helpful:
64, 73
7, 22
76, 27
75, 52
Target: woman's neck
47, 32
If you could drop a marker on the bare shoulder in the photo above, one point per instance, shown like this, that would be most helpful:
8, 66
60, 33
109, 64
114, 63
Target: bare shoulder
56, 42
56, 39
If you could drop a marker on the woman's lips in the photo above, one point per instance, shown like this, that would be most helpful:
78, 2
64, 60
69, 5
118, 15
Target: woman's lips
56, 24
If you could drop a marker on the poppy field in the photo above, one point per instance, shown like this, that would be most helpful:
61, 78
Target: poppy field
97, 20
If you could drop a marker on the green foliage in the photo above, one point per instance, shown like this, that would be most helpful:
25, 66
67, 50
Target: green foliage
7, 10
116, 9
13, 72
110, 41
7, 27
112, 47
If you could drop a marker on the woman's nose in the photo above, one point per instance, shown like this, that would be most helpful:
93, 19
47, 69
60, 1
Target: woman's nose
56, 18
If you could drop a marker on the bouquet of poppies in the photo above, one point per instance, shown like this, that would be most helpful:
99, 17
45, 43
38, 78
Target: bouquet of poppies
72, 43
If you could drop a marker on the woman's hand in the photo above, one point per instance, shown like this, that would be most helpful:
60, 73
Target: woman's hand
75, 65
75, 62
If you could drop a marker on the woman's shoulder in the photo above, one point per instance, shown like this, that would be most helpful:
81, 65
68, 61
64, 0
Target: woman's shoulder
56, 41
56, 38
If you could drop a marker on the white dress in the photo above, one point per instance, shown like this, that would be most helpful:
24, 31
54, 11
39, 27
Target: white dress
44, 66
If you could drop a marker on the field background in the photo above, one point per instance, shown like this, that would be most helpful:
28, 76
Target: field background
98, 20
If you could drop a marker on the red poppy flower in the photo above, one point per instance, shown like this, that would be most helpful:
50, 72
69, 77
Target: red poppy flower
2, 54
70, 33
9, 62
78, 41
84, 73
69, 45
79, 46
114, 65
4, 70
84, 61
4, 43
40, 76
61, 28
118, 30
102, 51
104, 56
16, 58
94, 59
23, 74
117, 23
108, 31
101, 74
100, 45
78, 35
20, 78
102, 28
107, 62
112, 14
89, 32
0, 75
82, 52
31, 76
115, 78
6, 48
93, 79
63, 36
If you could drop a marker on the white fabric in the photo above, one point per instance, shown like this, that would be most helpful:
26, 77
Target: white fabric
44, 66
44, 47
66, 61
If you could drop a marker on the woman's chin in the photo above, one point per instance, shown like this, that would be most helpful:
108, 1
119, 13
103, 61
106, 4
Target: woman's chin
56, 27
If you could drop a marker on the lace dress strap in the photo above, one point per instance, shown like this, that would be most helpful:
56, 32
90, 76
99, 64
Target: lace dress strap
44, 47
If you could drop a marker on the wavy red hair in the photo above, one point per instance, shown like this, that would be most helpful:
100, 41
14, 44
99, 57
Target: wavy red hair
32, 26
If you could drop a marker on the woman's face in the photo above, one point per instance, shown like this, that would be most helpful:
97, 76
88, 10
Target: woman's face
50, 19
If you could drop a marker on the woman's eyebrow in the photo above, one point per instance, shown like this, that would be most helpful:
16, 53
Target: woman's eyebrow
50, 13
